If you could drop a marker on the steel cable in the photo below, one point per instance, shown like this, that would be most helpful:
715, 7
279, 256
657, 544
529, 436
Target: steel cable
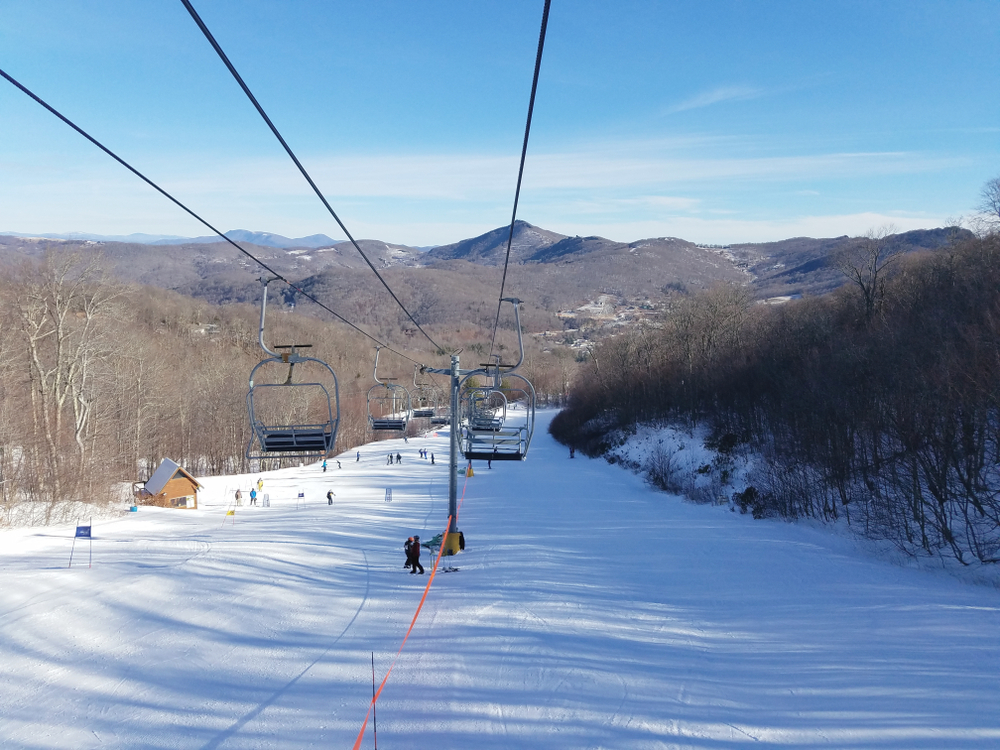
190, 212
302, 169
520, 170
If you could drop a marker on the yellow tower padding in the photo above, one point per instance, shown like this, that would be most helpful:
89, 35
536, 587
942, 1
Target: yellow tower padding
469, 472
451, 544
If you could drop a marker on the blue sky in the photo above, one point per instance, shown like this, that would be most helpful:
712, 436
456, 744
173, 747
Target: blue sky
712, 121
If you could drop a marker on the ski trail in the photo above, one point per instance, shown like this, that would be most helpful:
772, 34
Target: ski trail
237, 726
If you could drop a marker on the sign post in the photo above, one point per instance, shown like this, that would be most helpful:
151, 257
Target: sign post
83, 532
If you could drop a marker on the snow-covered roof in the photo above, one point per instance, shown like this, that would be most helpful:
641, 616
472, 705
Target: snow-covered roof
155, 484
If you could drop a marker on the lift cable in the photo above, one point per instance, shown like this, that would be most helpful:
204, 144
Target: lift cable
520, 171
305, 174
174, 200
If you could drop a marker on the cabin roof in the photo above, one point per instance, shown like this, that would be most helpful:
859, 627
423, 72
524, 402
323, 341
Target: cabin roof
167, 470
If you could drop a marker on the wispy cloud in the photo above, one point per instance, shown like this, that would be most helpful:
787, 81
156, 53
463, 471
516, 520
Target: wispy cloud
718, 96
645, 188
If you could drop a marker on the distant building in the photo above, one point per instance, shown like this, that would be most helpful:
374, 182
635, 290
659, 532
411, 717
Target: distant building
169, 487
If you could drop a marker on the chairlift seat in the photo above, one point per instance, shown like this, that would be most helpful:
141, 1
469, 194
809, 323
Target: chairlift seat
484, 455
294, 439
397, 425
422, 413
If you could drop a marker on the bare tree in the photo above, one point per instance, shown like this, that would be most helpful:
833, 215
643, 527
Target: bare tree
866, 262
60, 306
989, 205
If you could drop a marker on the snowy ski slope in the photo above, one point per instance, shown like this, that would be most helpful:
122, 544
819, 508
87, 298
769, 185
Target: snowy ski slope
588, 612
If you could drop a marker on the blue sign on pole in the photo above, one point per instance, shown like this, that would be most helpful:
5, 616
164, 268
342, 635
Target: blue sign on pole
83, 532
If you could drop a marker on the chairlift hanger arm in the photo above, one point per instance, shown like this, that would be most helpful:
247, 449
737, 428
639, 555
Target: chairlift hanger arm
520, 341
263, 309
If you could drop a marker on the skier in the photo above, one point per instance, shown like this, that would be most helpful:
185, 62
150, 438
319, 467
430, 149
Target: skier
399, 459
572, 452
253, 496
389, 461
239, 497
329, 497
338, 465
432, 459
415, 556
260, 484
359, 456
324, 466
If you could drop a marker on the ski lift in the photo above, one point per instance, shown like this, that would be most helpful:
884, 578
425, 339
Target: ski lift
287, 418
499, 419
388, 403
425, 398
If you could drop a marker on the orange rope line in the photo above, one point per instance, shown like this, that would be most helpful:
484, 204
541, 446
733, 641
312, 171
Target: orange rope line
427, 588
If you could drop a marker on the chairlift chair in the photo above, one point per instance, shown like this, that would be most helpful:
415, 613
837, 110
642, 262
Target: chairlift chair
499, 420
388, 403
486, 435
291, 419
425, 398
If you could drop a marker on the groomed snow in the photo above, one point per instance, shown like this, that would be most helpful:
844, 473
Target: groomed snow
588, 611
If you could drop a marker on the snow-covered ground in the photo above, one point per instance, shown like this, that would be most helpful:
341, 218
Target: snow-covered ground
588, 611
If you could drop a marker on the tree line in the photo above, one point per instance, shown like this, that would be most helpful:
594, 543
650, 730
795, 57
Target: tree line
879, 402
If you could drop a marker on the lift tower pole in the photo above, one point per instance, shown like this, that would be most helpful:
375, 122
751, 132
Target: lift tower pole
453, 460
452, 544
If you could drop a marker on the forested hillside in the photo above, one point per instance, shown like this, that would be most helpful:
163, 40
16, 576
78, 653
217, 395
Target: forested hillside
879, 402
100, 380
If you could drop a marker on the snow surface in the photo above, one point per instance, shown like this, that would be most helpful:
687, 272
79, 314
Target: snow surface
588, 611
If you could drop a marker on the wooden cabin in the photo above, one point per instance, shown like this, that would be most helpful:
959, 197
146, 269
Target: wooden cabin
169, 487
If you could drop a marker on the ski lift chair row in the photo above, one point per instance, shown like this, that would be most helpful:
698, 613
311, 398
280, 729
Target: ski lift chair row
490, 430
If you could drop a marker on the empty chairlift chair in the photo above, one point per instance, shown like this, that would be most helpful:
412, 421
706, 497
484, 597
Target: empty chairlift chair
388, 404
287, 418
425, 398
498, 421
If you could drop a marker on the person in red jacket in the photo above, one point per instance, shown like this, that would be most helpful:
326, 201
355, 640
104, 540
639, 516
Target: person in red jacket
415, 556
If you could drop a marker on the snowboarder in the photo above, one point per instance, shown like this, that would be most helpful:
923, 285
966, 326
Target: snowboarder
239, 497
329, 497
253, 496
338, 465
415, 556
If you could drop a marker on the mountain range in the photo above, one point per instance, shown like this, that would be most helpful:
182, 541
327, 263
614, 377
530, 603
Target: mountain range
263, 239
454, 283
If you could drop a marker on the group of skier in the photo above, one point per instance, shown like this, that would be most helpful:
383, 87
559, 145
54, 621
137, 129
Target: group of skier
253, 493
